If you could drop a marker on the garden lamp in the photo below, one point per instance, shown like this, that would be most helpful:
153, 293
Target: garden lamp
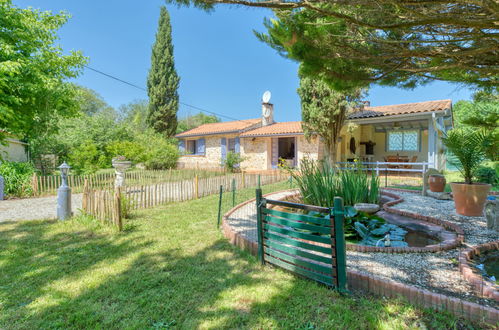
64, 194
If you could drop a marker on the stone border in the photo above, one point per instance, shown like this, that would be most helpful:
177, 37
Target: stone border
372, 284
482, 288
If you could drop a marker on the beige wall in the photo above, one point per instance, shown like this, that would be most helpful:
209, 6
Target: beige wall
308, 149
212, 157
380, 148
14, 151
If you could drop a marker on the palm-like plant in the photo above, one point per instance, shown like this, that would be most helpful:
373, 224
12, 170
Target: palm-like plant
467, 147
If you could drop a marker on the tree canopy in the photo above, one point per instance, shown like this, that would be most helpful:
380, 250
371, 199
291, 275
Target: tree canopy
163, 81
196, 120
33, 70
390, 42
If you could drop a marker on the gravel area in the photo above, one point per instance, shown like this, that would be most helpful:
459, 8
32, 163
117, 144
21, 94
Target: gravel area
34, 208
437, 272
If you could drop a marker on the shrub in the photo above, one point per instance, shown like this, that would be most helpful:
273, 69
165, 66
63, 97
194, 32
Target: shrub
17, 178
87, 159
232, 161
162, 157
319, 183
133, 151
487, 173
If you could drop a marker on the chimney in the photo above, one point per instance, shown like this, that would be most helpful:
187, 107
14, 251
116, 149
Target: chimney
267, 114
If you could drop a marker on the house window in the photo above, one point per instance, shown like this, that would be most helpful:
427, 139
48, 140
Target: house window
190, 148
403, 141
231, 145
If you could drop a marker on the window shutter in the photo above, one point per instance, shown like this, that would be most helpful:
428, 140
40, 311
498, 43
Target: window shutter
200, 147
223, 148
181, 146
237, 148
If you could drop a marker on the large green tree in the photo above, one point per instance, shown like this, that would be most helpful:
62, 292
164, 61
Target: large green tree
325, 111
196, 120
391, 42
33, 70
163, 81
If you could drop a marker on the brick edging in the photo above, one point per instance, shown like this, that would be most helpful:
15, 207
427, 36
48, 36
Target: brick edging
481, 287
372, 284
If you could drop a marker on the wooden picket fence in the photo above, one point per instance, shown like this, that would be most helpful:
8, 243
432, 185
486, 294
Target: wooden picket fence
48, 184
112, 205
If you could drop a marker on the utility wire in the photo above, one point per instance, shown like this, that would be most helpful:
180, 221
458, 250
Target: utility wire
145, 90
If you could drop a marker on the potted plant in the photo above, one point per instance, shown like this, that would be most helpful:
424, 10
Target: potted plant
467, 146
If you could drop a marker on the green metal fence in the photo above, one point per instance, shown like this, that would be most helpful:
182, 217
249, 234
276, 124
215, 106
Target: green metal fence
311, 245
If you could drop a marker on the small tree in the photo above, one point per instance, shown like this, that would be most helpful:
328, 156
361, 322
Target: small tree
324, 111
163, 81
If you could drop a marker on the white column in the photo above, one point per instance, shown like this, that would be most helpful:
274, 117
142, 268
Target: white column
432, 144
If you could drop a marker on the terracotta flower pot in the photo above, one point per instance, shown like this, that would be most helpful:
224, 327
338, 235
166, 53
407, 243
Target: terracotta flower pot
470, 198
437, 182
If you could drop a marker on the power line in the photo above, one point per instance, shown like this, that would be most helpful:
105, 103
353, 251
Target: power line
145, 90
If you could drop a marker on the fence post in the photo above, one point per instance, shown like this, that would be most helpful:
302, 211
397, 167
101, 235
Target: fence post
220, 205
260, 203
259, 186
340, 244
233, 192
117, 208
243, 180
34, 184
84, 201
196, 187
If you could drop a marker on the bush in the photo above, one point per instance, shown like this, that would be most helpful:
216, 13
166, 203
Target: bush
86, 159
132, 151
232, 161
17, 178
162, 157
319, 183
488, 173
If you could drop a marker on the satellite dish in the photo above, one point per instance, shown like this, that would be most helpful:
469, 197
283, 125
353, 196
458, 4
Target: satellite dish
266, 97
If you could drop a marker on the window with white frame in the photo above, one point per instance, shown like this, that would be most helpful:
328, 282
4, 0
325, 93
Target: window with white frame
403, 140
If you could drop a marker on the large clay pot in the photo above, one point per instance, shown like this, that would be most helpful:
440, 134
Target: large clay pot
470, 198
437, 182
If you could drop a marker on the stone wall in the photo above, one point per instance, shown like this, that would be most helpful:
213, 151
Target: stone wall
307, 149
212, 157
256, 152
14, 151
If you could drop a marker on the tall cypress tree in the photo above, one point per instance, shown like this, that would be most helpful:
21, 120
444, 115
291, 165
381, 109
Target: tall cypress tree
163, 81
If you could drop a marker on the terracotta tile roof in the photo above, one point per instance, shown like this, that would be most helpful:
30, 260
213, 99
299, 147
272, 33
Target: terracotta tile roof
402, 109
288, 127
220, 128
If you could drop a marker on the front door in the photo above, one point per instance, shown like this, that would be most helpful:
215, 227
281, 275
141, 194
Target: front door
284, 151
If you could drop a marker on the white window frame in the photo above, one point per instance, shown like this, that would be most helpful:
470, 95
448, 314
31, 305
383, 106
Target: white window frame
404, 132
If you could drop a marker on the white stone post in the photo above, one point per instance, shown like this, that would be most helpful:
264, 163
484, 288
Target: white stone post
120, 166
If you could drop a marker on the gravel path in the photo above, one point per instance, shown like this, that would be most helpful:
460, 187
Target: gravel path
437, 272
34, 208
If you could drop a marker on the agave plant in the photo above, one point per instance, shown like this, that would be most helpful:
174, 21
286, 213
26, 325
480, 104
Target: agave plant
467, 147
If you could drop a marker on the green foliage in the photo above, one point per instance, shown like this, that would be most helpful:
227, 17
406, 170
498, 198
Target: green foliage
126, 206
135, 114
162, 157
131, 150
488, 173
196, 120
319, 183
17, 178
325, 110
86, 158
232, 161
467, 147
163, 81
33, 70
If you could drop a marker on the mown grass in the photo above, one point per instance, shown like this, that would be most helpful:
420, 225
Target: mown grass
170, 268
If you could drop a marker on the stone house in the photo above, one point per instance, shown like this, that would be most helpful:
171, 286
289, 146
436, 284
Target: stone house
404, 132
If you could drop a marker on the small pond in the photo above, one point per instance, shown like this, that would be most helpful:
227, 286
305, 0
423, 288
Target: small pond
371, 230
488, 266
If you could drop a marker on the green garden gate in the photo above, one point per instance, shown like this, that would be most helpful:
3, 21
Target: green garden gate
311, 245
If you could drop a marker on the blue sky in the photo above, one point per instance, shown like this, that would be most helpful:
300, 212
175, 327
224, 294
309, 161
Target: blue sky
222, 65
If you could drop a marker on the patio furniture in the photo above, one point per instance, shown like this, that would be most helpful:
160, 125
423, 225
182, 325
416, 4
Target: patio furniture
413, 160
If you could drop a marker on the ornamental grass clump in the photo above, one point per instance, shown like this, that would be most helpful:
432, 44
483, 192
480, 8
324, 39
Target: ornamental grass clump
320, 182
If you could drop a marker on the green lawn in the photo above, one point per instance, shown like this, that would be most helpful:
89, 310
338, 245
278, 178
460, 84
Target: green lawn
171, 268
